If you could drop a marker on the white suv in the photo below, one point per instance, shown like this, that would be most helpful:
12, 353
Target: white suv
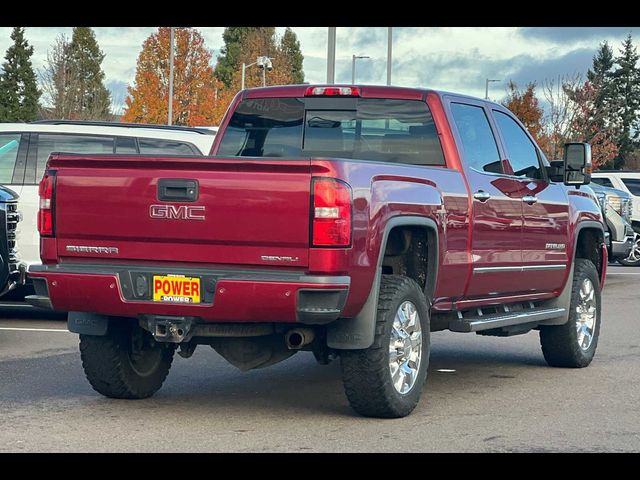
25, 148
626, 181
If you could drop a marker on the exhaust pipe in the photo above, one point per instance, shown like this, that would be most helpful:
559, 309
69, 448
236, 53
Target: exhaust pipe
298, 338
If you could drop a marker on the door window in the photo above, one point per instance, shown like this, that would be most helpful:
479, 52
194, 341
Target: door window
604, 181
633, 184
522, 153
478, 142
152, 146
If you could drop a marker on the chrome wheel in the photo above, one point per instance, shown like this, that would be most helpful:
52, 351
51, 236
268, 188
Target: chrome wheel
634, 255
405, 348
586, 314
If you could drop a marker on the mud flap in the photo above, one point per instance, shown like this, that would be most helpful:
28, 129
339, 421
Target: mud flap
87, 323
357, 332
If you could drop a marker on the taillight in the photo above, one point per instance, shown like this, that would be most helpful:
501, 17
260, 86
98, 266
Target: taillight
331, 214
332, 92
45, 213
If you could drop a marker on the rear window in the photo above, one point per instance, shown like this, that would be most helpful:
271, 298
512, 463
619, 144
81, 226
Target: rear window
400, 131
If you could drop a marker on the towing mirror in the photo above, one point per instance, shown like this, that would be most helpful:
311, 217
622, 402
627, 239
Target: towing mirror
577, 164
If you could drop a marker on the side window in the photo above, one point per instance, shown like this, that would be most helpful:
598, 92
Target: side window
151, 146
604, 181
522, 153
48, 143
633, 184
478, 142
9, 144
126, 145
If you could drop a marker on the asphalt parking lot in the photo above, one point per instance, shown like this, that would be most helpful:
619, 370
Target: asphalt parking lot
483, 394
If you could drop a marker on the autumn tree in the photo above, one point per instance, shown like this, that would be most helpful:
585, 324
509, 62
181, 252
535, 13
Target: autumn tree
588, 126
19, 92
260, 41
525, 106
233, 51
196, 92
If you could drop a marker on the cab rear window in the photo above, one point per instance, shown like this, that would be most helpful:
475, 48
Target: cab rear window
385, 130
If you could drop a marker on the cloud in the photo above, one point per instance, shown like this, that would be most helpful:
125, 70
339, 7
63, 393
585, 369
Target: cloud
571, 34
449, 58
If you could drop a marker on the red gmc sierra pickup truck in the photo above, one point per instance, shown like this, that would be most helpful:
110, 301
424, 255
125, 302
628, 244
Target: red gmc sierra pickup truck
349, 221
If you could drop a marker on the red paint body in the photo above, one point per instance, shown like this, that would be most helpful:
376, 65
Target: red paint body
260, 207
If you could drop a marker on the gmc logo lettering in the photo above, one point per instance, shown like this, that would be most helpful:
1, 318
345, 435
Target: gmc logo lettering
183, 212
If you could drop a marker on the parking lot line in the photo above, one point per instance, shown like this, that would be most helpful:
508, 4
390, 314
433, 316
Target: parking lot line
18, 329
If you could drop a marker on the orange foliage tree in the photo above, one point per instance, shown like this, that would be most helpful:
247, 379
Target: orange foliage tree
197, 95
257, 43
525, 106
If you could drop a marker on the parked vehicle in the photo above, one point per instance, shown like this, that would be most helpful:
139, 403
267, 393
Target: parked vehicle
349, 221
28, 146
616, 208
12, 270
628, 182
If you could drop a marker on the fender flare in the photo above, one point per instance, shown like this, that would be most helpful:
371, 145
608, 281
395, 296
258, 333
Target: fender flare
358, 332
564, 299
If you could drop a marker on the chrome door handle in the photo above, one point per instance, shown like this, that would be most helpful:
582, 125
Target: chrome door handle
481, 196
530, 199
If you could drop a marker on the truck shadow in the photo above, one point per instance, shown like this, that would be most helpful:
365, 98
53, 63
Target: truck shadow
206, 383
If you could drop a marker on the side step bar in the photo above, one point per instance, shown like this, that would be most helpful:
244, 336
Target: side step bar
499, 320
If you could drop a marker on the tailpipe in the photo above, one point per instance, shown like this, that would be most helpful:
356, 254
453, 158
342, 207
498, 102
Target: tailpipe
298, 338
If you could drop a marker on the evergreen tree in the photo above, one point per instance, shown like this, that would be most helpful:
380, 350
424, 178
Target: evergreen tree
19, 92
290, 49
601, 77
626, 84
89, 96
230, 60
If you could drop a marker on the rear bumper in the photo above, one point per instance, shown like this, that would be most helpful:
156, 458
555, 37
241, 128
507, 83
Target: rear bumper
227, 295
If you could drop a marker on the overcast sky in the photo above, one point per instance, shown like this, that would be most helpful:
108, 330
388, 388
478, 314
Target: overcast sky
449, 58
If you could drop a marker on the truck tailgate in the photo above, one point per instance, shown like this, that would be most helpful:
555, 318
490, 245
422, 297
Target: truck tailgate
245, 211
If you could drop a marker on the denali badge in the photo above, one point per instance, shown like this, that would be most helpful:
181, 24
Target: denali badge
556, 246
278, 258
90, 249
183, 212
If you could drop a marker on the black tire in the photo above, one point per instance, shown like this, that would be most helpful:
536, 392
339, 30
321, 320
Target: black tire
126, 362
366, 373
633, 260
560, 344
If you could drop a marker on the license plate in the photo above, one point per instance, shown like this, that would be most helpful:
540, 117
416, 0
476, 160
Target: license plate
175, 288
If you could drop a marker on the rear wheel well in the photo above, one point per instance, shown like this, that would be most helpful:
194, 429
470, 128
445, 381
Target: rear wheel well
410, 251
588, 247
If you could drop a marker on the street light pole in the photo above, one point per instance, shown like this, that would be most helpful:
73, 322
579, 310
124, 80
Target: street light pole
244, 68
170, 115
353, 67
331, 55
389, 49
486, 89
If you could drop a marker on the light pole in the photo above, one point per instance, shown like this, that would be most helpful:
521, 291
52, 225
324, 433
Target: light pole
486, 89
170, 115
353, 67
389, 49
264, 63
331, 55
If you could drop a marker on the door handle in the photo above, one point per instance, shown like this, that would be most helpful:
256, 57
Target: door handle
177, 190
482, 196
530, 199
